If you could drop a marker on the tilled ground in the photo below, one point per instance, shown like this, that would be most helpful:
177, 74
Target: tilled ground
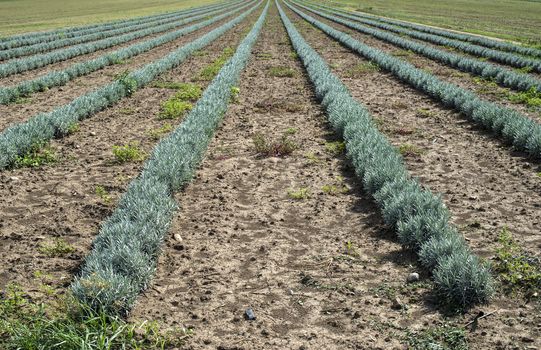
60, 201
239, 241
58, 96
485, 184
485, 89
320, 271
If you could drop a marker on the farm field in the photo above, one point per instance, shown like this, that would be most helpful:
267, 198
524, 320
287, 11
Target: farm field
268, 175
507, 19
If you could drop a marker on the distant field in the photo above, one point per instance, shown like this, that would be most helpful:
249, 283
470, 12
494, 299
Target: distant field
517, 20
33, 15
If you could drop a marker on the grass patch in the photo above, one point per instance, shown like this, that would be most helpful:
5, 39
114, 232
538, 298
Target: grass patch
126, 111
235, 91
335, 148
128, 153
103, 194
299, 194
63, 323
361, 69
173, 109
269, 148
156, 134
282, 72
531, 98
38, 156
444, 337
312, 159
426, 113
57, 248
209, 72
518, 271
408, 150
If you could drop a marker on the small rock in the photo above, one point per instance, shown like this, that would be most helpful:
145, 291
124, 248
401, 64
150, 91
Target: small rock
92, 133
413, 277
177, 237
397, 304
249, 315
14, 178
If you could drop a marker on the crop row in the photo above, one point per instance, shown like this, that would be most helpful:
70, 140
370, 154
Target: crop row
505, 77
21, 138
523, 133
126, 249
484, 41
62, 33
58, 78
480, 51
419, 217
96, 35
32, 62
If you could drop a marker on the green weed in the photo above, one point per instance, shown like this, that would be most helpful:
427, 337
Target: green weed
174, 108
156, 134
518, 271
531, 98
58, 248
36, 157
63, 323
301, 193
209, 72
268, 148
408, 150
362, 69
282, 72
103, 194
128, 153
335, 148
443, 337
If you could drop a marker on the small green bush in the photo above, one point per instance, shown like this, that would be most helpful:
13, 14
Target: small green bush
128, 153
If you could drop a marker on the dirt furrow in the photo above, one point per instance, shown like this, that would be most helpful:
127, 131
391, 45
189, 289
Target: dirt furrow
486, 186
314, 269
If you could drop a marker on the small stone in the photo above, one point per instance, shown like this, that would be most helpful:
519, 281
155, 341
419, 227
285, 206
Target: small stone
413, 277
92, 133
397, 305
14, 178
177, 237
249, 315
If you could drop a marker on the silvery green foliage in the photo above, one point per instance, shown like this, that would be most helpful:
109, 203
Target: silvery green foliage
461, 277
58, 78
437, 247
495, 44
97, 34
476, 50
20, 138
62, 33
515, 128
126, 249
505, 77
419, 217
31, 62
